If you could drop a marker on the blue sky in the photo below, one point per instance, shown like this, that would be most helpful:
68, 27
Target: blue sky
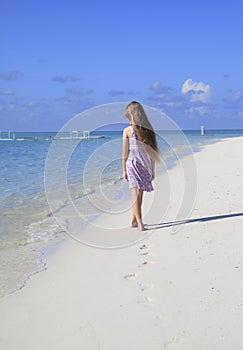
59, 58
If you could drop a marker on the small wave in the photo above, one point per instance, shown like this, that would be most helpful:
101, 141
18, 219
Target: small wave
45, 230
17, 265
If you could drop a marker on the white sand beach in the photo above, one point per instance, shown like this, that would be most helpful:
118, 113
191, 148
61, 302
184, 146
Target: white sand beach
170, 290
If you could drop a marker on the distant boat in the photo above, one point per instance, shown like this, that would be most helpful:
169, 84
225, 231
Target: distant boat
202, 132
9, 138
74, 135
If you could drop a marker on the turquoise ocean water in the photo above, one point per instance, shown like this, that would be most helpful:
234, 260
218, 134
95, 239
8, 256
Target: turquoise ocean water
27, 227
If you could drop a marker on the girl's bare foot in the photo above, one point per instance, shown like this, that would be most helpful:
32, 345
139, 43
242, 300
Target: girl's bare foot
141, 226
134, 223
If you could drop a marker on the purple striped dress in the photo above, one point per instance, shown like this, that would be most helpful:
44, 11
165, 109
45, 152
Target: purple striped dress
138, 165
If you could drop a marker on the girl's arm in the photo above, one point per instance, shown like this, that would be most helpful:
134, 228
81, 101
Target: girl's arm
125, 151
153, 171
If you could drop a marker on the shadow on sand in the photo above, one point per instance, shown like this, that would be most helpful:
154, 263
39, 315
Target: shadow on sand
189, 221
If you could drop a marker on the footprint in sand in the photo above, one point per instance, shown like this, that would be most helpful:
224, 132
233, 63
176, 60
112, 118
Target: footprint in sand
145, 253
143, 287
130, 276
144, 246
145, 263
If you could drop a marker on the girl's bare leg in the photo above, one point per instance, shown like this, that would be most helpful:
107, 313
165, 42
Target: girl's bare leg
134, 221
134, 199
137, 197
140, 197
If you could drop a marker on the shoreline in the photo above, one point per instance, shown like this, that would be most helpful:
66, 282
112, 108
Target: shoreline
43, 252
39, 242
168, 291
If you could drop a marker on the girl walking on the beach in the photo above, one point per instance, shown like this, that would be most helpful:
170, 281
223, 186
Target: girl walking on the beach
139, 154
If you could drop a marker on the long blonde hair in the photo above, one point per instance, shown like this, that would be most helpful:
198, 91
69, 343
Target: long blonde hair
144, 130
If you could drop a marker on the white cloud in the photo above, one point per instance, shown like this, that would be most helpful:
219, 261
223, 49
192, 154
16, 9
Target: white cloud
6, 92
12, 107
65, 79
236, 96
31, 104
115, 93
77, 91
12, 75
26, 106
201, 110
170, 104
159, 88
198, 91
156, 86
65, 100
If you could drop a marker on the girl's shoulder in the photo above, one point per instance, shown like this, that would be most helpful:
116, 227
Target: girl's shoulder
127, 132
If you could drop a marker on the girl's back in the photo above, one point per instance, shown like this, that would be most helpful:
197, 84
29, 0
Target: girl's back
138, 164
139, 153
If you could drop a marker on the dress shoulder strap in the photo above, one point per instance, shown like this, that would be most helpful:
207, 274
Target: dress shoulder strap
132, 130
